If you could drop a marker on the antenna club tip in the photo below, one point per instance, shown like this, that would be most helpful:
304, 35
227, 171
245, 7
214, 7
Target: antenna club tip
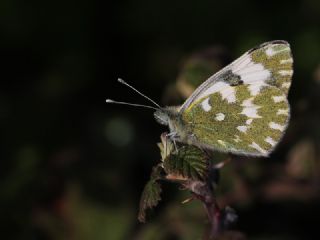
120, 80
109, 101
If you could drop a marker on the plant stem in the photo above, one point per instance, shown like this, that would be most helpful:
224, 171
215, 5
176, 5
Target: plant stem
204, 193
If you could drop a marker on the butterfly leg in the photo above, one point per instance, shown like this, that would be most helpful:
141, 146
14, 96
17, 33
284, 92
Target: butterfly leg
173, 137
171, 134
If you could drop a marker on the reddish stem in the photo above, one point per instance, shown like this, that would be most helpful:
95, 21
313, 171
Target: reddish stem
213, 212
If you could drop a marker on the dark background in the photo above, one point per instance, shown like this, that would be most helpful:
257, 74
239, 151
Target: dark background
73, 167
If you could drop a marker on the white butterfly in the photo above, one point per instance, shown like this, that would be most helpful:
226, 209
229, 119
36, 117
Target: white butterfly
242, 109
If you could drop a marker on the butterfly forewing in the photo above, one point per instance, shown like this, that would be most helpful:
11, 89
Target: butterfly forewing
275, 57
268, 64
243, 108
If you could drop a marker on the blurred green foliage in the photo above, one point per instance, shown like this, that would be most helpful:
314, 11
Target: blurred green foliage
73, 167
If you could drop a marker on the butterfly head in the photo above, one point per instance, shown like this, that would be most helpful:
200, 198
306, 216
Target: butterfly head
166, 116
162, 116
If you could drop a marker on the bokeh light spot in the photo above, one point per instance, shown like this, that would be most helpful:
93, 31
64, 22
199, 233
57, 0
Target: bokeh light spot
119, 131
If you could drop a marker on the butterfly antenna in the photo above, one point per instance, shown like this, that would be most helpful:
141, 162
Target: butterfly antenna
125, 83
130, 104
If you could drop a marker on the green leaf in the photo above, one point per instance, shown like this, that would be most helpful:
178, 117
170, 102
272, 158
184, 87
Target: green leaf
151, 193
189, 162
156, 173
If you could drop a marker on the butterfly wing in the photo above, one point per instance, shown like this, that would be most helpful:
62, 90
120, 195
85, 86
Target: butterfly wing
243, 108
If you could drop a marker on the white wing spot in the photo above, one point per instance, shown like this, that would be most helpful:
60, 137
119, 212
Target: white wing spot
277, 126
223, 143
283, 112
251, 68
237, 139
253, 74
249, 121
229, 94
270, 141
223, 88
250, 109
220, 117
242, 128
285, 72
277, 99
270, 52
256, 88
205, 105
258, 148
284, 61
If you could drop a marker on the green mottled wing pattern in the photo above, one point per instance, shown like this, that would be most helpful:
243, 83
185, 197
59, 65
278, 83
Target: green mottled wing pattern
243, 109
250, 126
278, 60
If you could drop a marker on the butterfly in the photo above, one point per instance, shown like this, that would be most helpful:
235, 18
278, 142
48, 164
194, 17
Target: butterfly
242, 109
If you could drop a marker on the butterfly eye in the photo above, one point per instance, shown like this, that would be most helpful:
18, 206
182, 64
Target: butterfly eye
161, 117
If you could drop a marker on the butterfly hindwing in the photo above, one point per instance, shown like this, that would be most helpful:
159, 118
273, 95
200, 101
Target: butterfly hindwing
250, 126
243, 108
